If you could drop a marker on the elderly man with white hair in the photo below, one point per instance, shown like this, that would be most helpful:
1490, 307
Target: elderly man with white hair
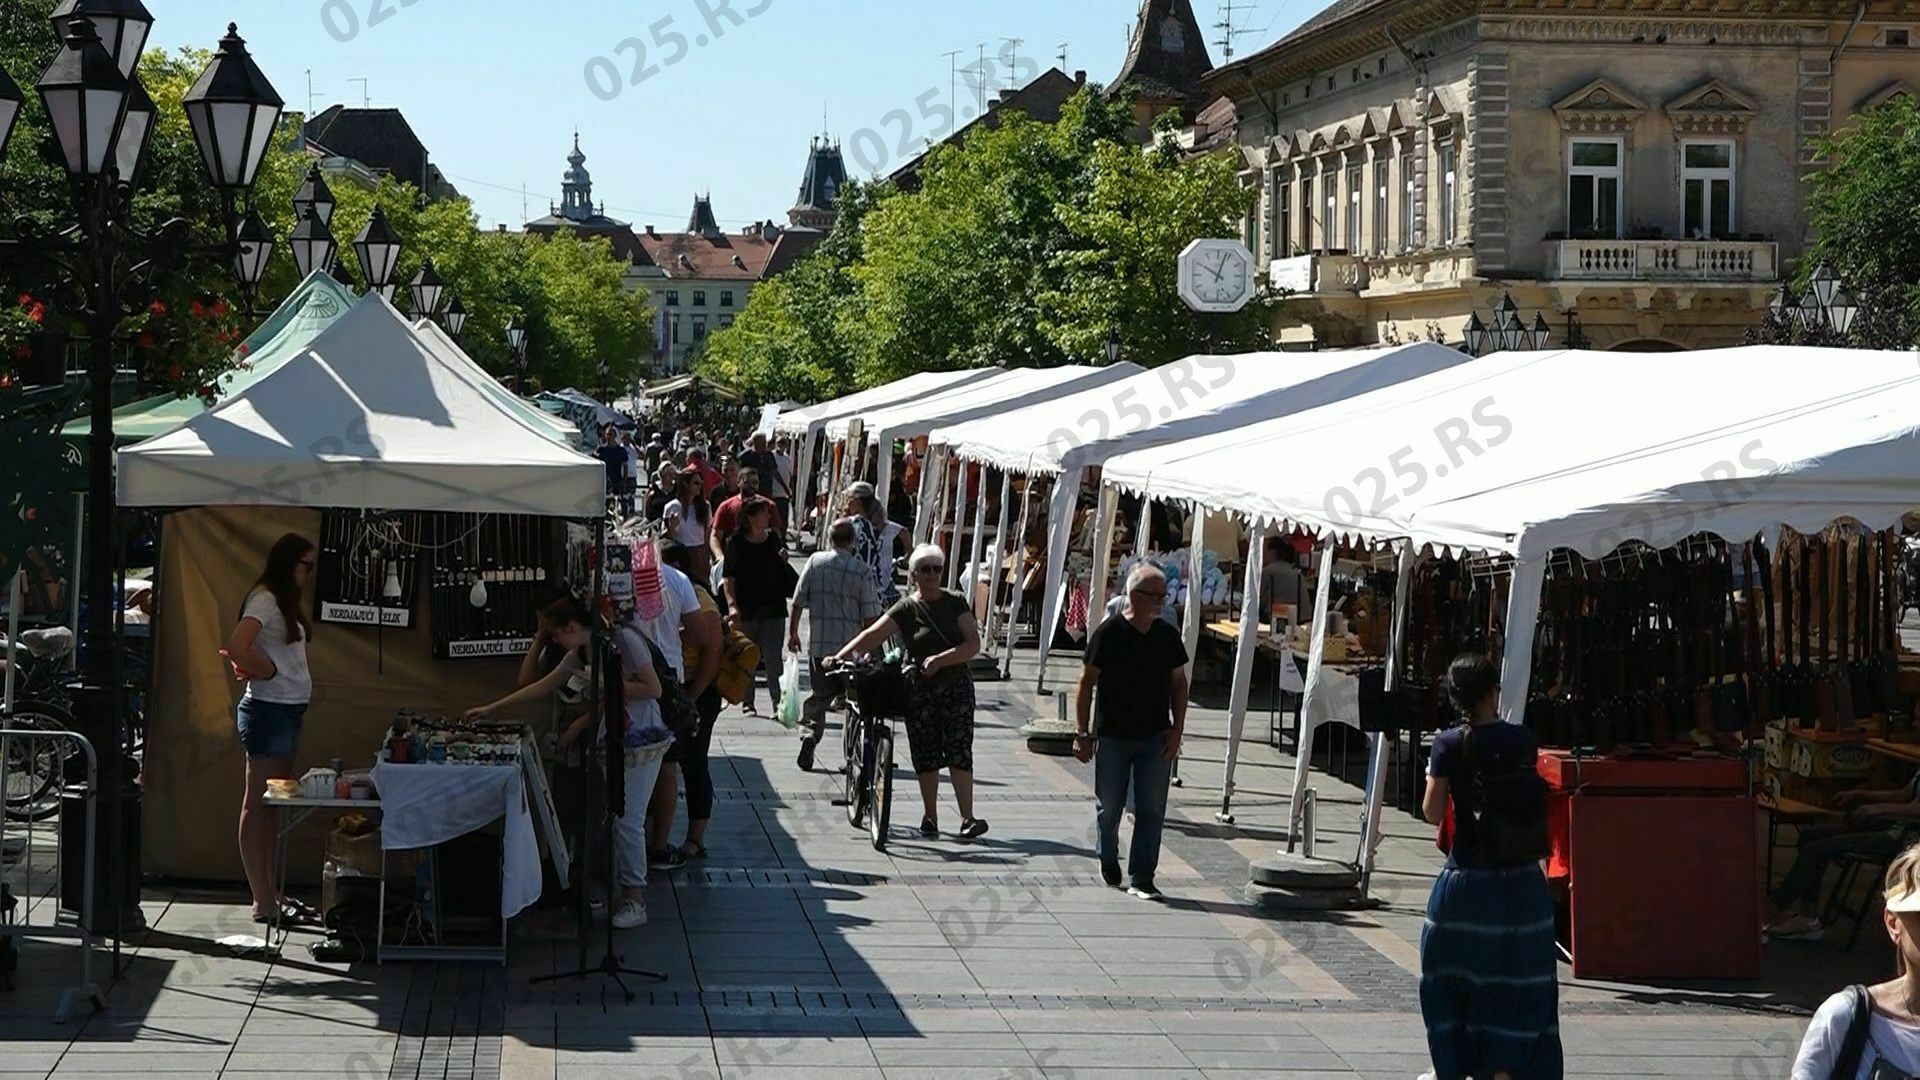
1131, 708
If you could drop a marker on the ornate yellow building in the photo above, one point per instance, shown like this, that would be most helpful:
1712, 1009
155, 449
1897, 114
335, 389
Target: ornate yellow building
1633, 169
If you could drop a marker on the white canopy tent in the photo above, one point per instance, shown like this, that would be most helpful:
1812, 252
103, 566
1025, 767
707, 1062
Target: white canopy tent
440, 341
1522, 453
370, 415
1200, 395
912, 419
807, 422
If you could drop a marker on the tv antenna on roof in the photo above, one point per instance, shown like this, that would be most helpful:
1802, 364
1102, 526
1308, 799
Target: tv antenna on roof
1229, 32
365, 101
1063, 56
953, 75
1012, 56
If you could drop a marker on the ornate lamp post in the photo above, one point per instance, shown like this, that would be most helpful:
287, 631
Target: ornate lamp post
1506, 331
102, 121
456, 317
1113, 347
313, 245
427, 287
379, 251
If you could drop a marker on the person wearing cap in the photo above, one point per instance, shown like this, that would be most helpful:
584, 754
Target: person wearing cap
1489, 992
1868, 831
1873, 1032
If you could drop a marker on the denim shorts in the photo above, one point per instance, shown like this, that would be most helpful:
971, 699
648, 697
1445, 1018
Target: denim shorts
270, 728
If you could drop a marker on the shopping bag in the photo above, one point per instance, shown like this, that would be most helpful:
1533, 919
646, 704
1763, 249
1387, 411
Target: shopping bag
649, 595
789, 711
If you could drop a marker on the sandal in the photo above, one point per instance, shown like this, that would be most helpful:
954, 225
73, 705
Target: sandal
292, 913
693, 849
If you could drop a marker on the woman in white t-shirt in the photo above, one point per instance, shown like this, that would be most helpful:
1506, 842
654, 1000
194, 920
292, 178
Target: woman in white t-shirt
688, 520
1883, 1044
566, 623
268, 652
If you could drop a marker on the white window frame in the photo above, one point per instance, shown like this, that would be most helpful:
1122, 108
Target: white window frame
1409, 205
1356, 177
1283, 220
1730, 174
1329, 208
1447, 160
1382, 187
1617, 172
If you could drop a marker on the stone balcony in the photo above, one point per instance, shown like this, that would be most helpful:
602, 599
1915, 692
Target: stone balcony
1330, 274
1694, 261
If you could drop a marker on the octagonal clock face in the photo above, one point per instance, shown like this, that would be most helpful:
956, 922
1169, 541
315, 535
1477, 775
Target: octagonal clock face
1217, 275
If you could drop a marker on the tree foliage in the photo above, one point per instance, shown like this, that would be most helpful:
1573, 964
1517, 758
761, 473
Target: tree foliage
1028, 245
1865, 211
186, 323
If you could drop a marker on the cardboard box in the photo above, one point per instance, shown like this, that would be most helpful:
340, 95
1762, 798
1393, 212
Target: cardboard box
1824, 756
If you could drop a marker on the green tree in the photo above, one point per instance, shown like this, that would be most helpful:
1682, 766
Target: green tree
1865, 211
1029, 244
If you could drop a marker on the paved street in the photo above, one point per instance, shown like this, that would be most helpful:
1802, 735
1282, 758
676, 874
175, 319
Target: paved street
796, 951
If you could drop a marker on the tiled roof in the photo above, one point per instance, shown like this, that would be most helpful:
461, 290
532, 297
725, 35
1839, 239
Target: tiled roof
626, 245
1167, 59
826, 175
790, 248
722, 256
1041, 100
380, 139
1336, 12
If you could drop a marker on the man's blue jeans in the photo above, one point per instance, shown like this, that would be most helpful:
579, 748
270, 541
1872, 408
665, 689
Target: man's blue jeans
1137, 767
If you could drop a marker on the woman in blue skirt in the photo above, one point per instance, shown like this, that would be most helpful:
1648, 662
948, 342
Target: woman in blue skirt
1488, 987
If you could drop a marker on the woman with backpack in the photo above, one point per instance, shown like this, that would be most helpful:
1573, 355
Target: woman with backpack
758, 580
1873, 1032
1489, 991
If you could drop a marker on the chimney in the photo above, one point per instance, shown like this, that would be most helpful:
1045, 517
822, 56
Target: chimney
1080, 77
650, 231
502, 227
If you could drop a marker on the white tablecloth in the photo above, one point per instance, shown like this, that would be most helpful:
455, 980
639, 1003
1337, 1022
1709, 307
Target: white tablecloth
424, 805
1338, 697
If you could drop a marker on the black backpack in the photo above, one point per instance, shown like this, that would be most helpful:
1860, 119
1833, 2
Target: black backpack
1509, 812
1854, 1047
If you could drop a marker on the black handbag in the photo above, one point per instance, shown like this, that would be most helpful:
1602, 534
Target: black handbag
1509, 812
677, 708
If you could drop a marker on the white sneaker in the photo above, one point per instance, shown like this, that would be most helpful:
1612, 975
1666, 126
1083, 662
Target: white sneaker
631, 913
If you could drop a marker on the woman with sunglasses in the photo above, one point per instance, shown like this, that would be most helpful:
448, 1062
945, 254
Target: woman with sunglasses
941, 637
268, 652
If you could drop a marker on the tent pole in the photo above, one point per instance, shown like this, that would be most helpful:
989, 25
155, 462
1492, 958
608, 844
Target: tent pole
970, 576
16, 596
958, 506
1060, 515
996, 557
1316, 649
1245, 647
1523, 619
1191, 616
1019, 575
1102, 555
1377, 748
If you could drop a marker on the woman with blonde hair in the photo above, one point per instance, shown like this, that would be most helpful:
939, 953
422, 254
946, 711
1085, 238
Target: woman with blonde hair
1873, 1032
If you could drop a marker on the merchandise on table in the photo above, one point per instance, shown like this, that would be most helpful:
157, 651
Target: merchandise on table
418, 739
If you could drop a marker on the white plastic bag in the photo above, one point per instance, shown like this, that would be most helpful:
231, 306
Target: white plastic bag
789, 711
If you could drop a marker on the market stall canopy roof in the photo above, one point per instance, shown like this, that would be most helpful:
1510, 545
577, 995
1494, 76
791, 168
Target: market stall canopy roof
311, 308
920, 415
563, 429
693, 384
1575, 449
808, 420
367, 416
1200, 395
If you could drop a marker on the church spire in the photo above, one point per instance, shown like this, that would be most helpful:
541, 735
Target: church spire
576, 187
818, 206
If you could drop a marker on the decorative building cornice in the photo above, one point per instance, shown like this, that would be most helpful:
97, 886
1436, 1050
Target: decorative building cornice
1712, 108
1885, 94
1598, 107
1602, 30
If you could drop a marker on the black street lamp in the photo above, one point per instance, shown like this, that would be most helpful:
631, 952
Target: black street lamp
427, 287
1113, 347
516, 337
315, 195
1508, 332
379, 251
10, 102
102, 122
313, 245
121, 25
456, 317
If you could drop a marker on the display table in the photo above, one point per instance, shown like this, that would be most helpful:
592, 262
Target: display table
427, 805
1656, 860
288, 813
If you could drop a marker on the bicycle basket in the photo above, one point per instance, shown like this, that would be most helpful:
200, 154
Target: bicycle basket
882, 690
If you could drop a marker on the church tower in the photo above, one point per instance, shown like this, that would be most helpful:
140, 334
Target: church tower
1166, 61
576, 187
819, 203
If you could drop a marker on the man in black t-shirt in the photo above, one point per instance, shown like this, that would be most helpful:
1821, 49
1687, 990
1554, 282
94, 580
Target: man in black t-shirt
1132, 703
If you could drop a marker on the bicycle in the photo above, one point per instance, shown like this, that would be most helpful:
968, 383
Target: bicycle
34, 769
876, 693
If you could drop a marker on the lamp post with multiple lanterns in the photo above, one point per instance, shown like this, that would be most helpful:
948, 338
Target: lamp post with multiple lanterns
1508, 331
1826, 307
102, 121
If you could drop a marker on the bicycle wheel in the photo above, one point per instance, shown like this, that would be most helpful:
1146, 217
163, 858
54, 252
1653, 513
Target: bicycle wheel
35, 767
881, 815
856, 781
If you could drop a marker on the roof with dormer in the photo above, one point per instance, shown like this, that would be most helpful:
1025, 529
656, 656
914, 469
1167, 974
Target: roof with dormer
826, 174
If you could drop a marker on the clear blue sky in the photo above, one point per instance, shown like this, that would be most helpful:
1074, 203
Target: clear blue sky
496, 87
